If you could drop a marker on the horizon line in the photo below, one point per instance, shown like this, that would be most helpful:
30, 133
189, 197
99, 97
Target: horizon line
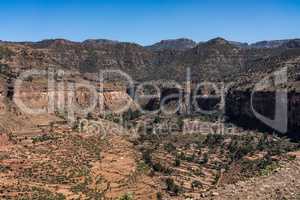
144, 45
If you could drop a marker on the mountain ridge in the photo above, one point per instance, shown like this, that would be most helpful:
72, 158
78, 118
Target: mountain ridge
215, 60
186, 43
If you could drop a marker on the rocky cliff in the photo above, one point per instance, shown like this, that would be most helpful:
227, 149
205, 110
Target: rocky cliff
214, 60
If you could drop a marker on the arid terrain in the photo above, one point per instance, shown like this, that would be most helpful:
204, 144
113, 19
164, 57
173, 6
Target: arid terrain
61, 152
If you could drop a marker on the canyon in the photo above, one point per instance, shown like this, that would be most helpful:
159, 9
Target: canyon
44, 151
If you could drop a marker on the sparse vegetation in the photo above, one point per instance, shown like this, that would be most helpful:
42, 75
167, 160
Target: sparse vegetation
169, 147
177, 162
4, 169
42, 194
4, 69
5, 53
42, 138
196, 184
205, 158
127, 196
160, 159
142, 167
202, 156
172, 187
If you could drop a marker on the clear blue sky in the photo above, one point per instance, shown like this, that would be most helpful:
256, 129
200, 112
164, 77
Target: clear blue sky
148, 21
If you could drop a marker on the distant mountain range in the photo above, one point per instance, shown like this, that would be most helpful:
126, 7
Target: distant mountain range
180, 44
214, 60
184, 44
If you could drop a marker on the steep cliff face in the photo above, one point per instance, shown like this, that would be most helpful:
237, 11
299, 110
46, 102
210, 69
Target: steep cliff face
35, 97
240, 109
259, 86
215, 60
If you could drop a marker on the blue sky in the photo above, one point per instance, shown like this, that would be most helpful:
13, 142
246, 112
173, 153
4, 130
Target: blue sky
148, 21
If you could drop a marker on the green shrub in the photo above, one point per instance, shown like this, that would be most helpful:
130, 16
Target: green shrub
171, 186
42, 138
142, 167
5, 53
130, 115
4, 69
180, 123
169, 147
156, 119
147, 157
42, 194
127, 196
177, 162
190, 158
4, 169
182, 156
214, 139
205, 158
291, 157
269, 169
159, 196
196, 184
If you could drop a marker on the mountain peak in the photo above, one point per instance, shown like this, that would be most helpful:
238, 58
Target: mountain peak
179, 44
218, 40
52, 43
99, 41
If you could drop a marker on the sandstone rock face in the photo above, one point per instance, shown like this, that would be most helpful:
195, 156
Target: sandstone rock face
39, 98
117, 101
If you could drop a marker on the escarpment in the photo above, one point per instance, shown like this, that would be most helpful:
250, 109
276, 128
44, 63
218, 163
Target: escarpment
246, 108
216, 61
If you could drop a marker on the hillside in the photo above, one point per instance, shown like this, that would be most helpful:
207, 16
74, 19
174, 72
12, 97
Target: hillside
216, 59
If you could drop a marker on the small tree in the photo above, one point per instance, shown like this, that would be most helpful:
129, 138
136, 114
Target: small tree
205, 158
180, 123
177, 162
159, 196
171, 186
156, 119
169, 147
127, 196
147, 157
196, 184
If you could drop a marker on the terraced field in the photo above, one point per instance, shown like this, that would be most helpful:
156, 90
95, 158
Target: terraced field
64, 165
192, 165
